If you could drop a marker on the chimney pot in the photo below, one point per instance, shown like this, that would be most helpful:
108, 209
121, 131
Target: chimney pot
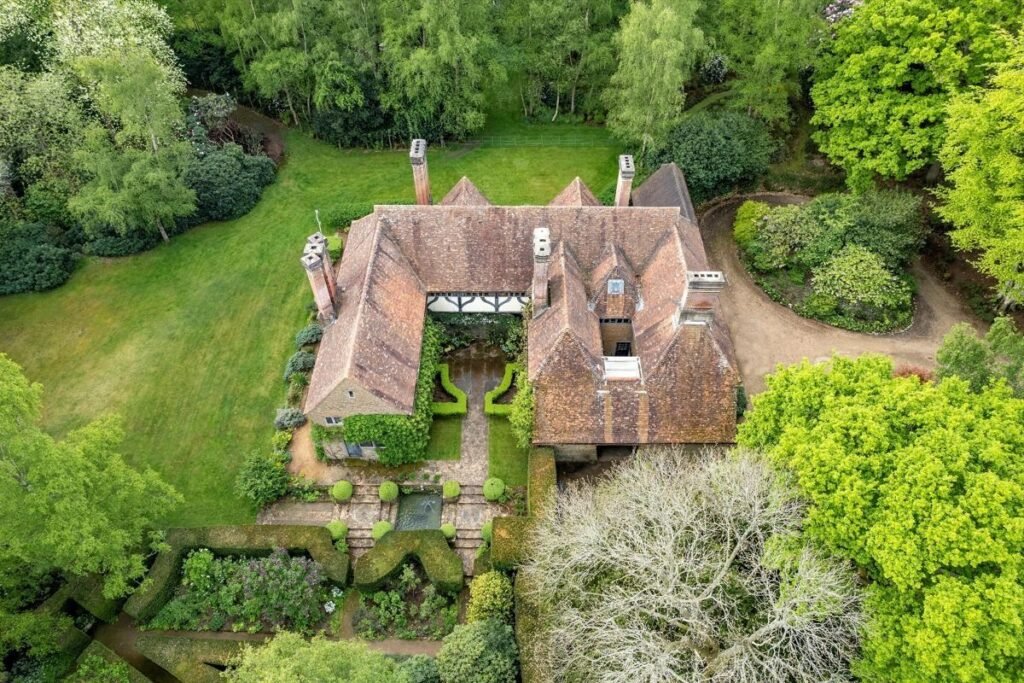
420, 176
541, 244
625, 185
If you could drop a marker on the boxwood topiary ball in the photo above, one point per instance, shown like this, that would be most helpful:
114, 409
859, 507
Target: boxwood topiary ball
451, 490
380, 529
448, 529
341, 491
493, 489
487, 530
338, 529
388, 491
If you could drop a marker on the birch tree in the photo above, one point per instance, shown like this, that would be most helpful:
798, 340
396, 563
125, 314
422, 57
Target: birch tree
679, 568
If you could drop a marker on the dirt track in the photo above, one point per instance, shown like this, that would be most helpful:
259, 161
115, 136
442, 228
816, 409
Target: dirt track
766, 333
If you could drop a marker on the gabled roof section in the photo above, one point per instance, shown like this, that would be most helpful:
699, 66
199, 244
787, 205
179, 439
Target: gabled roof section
612, 262
567, 315
465, 193
664, 285
575, 193
666, 187
377, 337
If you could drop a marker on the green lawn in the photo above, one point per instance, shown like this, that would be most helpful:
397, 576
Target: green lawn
188, 341
445, 439
505, 460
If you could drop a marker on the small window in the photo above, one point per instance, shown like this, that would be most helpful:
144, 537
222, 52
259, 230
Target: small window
616, 286
332, 421
351, 394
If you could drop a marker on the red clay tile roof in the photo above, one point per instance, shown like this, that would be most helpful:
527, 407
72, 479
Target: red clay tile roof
575, 193
465, 193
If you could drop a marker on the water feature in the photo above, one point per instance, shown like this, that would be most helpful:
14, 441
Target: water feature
419, 511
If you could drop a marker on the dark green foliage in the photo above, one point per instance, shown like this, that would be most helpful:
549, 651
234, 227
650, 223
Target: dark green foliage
501, 330
403, 439
300, 361
115, 245
289, 419
190, 659
480, 652
456, 407
714, 69
308, 335
262, 479
205, 60
254, 540
492, 408
29, 261
228, 182
442, 565
341, 216
98, 664
253, 594
406, 607
717, 152
421, 669
999, 355
366, 126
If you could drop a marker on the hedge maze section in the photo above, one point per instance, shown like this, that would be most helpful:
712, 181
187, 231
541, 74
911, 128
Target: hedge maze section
383, 561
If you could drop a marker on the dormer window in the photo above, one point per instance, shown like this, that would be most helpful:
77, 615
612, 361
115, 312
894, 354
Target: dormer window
616, 286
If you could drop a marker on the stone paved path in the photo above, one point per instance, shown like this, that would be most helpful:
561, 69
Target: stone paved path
475, 371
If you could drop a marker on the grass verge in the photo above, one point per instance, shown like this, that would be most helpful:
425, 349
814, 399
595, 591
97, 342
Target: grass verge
445, 439
505, 459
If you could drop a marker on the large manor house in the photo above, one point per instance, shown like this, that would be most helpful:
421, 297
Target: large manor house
625, 344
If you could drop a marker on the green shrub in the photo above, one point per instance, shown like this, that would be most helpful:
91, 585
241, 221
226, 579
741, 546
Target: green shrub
448, 529
289, 418
342, 491
748, 216
30, 261
338, 529
520, 417
380, 529
456, 407
441, 564
280, 441
494, 489
479, 652
490, 597
862, 289
492, 408
717, 151
420, 669
262, 479
486, 531
341, 216
403, 438
388, 491
195, 660
509, 547
98, 664
451, 490
334, 247
308, 335
227, 182
301, 361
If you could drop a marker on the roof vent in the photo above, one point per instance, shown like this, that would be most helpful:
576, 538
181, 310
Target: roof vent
541, 244
706, 280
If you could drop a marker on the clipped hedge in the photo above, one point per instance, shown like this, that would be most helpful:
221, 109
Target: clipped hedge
492, 408
429, 546
509, 535
196, 660
456, 407
529, 620
253, 540
98, 649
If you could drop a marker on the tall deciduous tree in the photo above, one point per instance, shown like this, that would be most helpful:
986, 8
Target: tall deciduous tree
675, 568
136, 164
922, 485
984, 162
73, 505
883, 87
440, 55
658, 44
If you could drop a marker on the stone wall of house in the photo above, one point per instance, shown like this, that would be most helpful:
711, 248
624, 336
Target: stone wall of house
339, 403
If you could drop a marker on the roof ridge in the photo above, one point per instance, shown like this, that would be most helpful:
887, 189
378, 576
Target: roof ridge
363, 295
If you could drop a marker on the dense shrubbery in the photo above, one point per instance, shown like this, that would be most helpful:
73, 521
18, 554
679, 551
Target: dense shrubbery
500, 330
262, 478
480, 652
490, 597
30, 261
227, 182
980, 362
403, 438
406, 607
265, 593
96, 669
309, 335
300, 361
717, 152
421, 669
839, 258
289, 419
521, 415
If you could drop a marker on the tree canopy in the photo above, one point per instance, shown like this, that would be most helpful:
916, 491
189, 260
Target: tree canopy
922, 485
290, 658
999, 355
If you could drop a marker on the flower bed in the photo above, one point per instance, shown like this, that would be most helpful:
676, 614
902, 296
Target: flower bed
277, 592
408, 607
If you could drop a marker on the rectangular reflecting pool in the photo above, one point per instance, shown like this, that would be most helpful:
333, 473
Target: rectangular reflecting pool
419, 511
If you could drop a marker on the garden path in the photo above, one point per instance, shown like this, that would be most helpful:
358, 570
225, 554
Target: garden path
766, 333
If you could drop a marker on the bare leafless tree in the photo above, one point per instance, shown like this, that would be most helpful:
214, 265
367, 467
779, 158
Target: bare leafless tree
688, 568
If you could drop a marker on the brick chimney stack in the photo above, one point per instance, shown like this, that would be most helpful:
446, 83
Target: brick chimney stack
420, 177
702, 290
314, 260
541, 257
319, 239
625, 185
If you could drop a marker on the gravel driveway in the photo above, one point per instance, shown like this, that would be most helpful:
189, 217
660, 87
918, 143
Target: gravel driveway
766, 333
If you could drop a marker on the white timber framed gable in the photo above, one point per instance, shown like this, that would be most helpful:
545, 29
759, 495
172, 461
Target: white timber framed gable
476, 302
